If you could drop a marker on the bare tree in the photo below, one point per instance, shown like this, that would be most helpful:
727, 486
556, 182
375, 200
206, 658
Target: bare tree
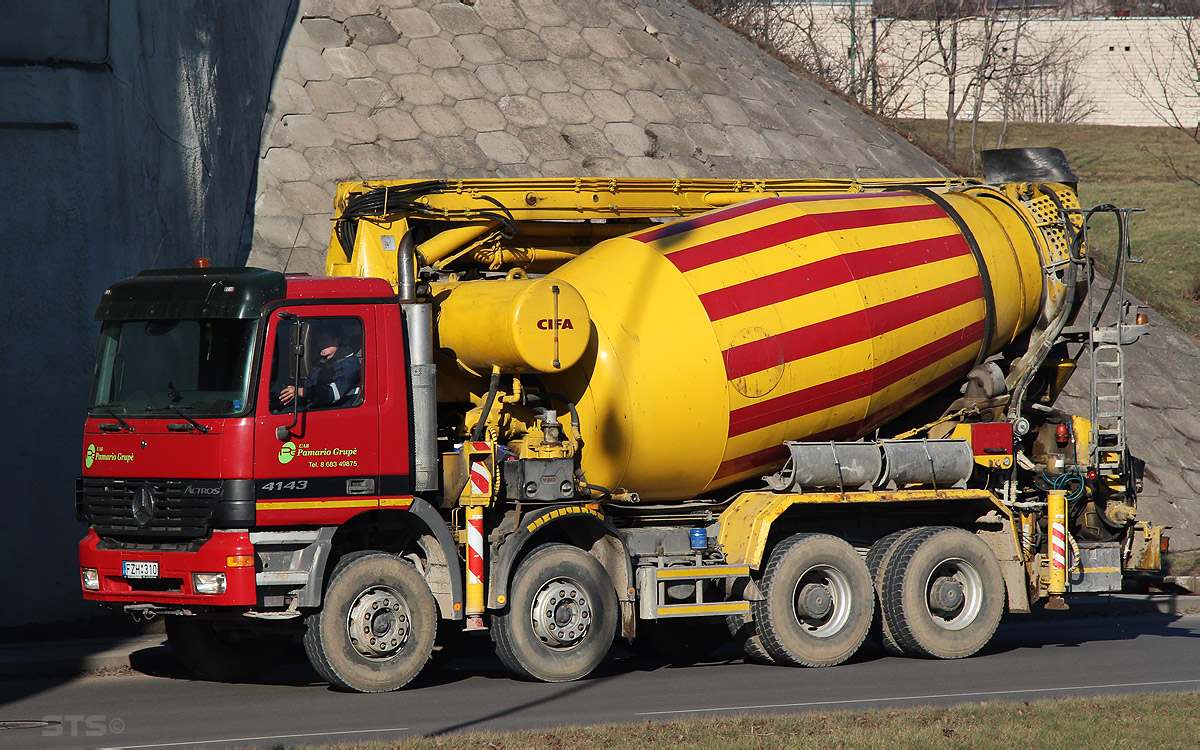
988, 48
1051, 90
971, 59
944, 26
1010, 74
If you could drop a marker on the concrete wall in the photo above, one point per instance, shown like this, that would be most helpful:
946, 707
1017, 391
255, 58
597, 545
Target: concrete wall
1121, 71
372, 89
128, 135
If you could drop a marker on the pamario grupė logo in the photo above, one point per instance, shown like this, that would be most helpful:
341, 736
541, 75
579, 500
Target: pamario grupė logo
287, 452
96, 453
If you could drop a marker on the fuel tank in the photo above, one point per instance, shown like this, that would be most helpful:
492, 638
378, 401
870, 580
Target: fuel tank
716, 338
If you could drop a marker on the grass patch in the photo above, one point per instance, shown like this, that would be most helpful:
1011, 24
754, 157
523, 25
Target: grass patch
1123, 166
1133, 721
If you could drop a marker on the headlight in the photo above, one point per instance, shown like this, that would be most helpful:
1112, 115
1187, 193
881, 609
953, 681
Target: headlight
208, 583
91, 579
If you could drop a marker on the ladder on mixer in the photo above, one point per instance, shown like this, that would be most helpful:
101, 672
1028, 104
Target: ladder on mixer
1106, 345
1108, 401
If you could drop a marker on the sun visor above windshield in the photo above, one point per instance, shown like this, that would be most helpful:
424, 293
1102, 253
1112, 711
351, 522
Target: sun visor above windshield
192, 293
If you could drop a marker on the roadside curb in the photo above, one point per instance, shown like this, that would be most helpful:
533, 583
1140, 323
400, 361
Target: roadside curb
73, 657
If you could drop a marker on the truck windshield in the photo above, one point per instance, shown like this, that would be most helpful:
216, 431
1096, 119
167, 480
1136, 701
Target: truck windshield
149, 367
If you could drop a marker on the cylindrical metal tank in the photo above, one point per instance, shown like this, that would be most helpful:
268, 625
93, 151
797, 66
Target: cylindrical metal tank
718, 337
521, 325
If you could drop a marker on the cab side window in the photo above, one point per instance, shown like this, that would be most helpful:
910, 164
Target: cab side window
330, 368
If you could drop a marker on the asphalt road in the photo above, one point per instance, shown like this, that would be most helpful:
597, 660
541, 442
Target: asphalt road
157, 706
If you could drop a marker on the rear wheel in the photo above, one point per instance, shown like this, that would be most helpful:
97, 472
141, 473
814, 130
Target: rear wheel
943, 593
377, 627
561, 616
877, 559
222, 652
819, 601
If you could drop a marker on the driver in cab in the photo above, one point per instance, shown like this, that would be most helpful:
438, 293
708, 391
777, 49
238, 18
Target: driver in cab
335, 378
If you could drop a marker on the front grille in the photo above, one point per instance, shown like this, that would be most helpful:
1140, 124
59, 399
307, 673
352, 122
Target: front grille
108, 507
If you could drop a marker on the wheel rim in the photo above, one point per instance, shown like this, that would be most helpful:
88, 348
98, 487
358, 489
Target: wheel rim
822, 600
561, 613
378, 623
954, 594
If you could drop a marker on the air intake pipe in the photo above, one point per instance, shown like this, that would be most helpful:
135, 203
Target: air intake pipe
418, 321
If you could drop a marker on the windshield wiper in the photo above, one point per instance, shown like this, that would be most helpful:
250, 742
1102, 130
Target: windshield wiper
195, 425
110, 427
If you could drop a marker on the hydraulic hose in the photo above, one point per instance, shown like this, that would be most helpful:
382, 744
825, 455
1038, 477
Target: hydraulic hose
493, 387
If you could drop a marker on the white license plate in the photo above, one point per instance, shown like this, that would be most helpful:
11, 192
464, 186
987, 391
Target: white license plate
139, 569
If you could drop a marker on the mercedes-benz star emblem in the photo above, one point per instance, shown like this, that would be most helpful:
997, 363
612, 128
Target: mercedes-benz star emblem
143, 506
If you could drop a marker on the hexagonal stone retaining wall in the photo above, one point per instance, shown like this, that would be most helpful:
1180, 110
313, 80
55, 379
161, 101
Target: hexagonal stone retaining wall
521, 88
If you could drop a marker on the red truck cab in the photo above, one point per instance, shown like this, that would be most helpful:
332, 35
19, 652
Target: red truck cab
189, 452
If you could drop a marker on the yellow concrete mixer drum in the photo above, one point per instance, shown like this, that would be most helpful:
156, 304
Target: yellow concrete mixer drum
720, 336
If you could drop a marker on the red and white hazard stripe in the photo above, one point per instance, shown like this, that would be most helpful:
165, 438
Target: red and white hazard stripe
475, 550
481, 479
1058, 546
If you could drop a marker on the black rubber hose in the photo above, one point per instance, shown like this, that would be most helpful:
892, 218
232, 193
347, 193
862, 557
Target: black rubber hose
380, 202
604, 491
1122, 230
481, 425
570, 407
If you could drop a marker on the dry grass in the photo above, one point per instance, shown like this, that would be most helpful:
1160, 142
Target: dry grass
1164, 720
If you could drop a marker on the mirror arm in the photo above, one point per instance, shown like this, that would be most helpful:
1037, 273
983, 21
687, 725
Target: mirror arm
283, 432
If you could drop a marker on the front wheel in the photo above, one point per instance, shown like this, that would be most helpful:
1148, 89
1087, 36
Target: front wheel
943, 594
819, 601
221, 651
561, 616
377, 627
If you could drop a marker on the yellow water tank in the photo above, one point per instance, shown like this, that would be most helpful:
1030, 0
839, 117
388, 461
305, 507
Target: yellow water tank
520, 325
718, 337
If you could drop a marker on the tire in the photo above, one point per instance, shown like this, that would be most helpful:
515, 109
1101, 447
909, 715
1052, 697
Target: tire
942, 593
213, 652
364, 588
561, 616
819, 601
877, 559
745, 634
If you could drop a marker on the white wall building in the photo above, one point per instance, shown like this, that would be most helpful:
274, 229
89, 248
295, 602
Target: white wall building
1111, 71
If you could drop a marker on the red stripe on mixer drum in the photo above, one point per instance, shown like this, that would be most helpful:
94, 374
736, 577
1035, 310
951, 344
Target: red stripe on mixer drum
796, 228
850, 388
823, 274
704, 220
844, 330
776, 454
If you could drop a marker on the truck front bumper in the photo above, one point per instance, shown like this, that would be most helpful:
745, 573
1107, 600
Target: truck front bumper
227, 552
